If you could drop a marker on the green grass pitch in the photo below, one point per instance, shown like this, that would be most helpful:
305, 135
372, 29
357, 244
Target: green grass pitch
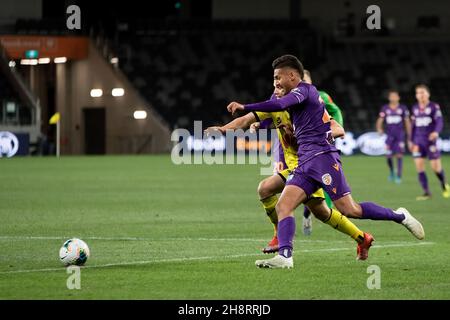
161, 231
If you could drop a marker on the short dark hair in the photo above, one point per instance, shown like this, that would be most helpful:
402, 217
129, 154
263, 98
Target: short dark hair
290, 61
393, 91
423, 86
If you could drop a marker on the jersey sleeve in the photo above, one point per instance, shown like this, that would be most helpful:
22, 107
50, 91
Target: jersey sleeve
439, 123
333, 110
266, 123
413, 126
295, 97
406, 114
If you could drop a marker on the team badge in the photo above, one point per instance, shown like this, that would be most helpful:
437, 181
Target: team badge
326, 179
433, 148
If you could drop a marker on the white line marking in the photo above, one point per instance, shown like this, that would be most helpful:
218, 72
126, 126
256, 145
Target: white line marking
149, 239
407, 244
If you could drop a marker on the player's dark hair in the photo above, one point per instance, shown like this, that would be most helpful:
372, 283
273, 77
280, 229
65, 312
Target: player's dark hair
393, 91
423, 86
307, 73
289, 61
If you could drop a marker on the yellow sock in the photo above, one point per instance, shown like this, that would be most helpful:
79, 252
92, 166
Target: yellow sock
340, 222
269, 205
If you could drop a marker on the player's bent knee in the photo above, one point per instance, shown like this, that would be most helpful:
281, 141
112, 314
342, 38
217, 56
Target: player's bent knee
264, 190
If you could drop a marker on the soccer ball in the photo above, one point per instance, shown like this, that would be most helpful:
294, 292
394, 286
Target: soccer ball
74, 252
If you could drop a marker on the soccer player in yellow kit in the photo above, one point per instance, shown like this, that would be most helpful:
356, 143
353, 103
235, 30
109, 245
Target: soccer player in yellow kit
271, 186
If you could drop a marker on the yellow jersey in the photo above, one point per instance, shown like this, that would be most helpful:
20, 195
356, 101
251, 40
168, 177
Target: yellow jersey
283, 124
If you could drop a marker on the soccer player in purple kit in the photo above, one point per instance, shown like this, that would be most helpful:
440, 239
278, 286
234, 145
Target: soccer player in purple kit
319, 164
395, 118
427, 123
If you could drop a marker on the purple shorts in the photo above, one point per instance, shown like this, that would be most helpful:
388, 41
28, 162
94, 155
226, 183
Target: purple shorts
323, 171
395, 145
424, 149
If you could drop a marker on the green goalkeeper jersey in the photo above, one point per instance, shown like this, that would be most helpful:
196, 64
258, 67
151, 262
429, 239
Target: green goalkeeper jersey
333, 110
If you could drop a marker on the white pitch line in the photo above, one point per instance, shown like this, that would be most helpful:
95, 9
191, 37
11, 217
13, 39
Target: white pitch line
149, 239
135, 263
411, 244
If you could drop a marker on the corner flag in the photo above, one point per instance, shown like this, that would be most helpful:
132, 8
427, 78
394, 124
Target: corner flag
54, 119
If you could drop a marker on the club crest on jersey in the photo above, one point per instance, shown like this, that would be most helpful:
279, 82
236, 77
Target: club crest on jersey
327, 179
428, 110
433, 148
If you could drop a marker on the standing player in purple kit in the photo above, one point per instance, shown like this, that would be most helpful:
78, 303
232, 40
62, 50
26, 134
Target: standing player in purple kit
395, 117
319, 164
426, 125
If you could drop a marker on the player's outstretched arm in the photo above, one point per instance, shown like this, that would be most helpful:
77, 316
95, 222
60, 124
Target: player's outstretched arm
438, 125
413, 133
294, 97
408, 129
379, 125
336, 129
239, 123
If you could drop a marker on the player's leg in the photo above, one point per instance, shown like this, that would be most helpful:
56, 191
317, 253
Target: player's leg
419, 153
398, 178
267, 191
291, 197
338, 221
334, 182
422, 177
307, 220
389, 161
436, 166
373, 211
390, 164
398, 148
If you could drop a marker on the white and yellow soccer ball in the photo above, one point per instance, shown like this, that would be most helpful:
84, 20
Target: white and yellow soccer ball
74, 252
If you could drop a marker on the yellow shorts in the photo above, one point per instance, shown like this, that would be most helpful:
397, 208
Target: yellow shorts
284, 174
318, 194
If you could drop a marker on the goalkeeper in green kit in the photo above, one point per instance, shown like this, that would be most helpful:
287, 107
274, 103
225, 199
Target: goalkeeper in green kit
335, 113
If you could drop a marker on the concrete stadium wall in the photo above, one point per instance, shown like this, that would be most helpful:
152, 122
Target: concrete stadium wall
124, 134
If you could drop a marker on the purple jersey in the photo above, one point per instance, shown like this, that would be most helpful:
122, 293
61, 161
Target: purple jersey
394, 120
424, 121
310, 120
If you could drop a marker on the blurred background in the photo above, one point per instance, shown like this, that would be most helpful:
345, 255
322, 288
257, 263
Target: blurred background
136, 70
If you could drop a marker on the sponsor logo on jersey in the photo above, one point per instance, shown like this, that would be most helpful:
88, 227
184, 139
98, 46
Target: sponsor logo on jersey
423, 121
